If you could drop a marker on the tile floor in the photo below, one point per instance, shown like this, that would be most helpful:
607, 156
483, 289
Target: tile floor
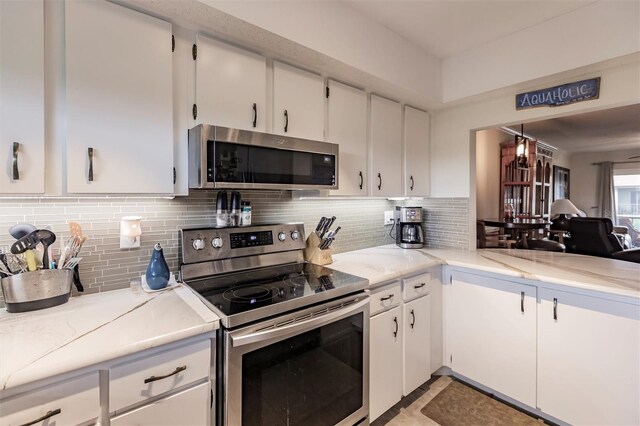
407, 411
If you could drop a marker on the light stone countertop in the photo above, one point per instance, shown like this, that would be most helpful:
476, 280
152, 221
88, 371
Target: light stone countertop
385, 263
95, 328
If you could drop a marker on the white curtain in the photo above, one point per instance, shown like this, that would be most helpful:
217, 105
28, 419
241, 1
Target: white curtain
606, 201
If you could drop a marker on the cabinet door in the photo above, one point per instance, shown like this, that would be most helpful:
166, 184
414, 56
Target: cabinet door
347, 127
385, 361
386, 152
493, 334
298, 102
588, 359
417, 336
416, 152
70, 402
22, 97
189, 407
231, 86
119, 100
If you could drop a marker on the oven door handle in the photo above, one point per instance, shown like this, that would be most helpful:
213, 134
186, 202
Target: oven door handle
294, 327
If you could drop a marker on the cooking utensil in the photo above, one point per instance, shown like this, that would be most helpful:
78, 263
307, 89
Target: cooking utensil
327, 226
47, 238
21, 229
320, 225
72, 263
28, 242
75, 229
31, 260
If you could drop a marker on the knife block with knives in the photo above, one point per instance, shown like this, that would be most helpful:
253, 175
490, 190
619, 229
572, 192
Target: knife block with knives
314, 254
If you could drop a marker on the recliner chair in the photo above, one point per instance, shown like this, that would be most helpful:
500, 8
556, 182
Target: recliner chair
594, 236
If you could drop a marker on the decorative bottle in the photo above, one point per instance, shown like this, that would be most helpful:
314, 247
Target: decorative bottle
158, 271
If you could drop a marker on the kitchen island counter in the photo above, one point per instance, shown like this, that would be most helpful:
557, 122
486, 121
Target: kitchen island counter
95, 328
385, 263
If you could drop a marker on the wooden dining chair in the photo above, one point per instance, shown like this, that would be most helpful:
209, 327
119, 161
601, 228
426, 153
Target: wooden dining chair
493, 240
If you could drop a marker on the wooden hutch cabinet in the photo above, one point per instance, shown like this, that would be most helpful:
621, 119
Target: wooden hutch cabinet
527, 190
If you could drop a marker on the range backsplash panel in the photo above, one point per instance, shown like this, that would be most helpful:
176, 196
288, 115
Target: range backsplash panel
105, 267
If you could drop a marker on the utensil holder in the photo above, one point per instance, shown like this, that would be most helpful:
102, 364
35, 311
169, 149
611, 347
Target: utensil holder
313, 254
35, 290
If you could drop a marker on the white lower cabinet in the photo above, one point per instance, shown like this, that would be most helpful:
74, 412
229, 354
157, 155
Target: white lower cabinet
69, 402
187, 408
417, 337
588, 359
385, 361
492, 334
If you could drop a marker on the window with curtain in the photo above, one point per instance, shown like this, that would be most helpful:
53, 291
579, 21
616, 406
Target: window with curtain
626, 183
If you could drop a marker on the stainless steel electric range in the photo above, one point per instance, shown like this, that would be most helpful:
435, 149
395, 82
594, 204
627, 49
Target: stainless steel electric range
294, 343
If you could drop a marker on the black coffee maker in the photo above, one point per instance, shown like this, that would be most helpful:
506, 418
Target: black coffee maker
408, 227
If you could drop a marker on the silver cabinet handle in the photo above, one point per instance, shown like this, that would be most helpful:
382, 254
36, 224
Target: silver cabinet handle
555, 309
15, 174
43, 418
382, 299
286, 121
522, 302
255, 115
413, 317
173, 373
90, 174
395, 333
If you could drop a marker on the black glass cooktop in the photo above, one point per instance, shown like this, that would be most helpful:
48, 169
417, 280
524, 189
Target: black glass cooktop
243, 297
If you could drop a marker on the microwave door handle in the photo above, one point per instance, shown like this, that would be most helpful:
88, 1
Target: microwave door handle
300, 326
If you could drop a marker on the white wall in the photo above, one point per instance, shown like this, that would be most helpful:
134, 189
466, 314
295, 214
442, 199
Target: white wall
562, 158
584, 176
338, 31
597, 32
452, 163
488, 169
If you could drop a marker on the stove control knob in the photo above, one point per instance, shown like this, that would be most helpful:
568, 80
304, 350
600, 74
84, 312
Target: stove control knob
295, 235
198, 244
216, 242
282, 236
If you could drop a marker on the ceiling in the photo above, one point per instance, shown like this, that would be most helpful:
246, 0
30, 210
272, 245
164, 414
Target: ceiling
606, 130
445, 28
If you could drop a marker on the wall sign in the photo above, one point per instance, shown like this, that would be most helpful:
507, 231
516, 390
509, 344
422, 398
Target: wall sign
560, 95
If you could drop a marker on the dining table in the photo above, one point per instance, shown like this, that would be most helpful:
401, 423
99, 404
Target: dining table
518, 228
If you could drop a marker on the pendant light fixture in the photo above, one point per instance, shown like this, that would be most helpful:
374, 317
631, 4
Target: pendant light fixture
522, 150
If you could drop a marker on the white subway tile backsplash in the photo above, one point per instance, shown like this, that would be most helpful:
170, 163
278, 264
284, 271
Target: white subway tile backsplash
105, 267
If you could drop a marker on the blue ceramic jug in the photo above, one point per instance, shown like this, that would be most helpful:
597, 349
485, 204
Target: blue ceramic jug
158, 271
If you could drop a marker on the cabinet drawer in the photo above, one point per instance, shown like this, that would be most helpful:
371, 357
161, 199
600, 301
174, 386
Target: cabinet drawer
189, 407
385, 298
162, 372
67, 403
416, 286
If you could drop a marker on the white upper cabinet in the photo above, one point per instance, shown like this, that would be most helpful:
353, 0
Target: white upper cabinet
588, 359
22, 97
347, 126
386, 148
416, 152
231, 86
119, 100
298, 102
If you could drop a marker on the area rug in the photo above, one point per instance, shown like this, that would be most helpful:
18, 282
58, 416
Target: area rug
460, 405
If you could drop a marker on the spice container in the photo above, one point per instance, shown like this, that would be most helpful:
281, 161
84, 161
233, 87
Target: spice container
245, 214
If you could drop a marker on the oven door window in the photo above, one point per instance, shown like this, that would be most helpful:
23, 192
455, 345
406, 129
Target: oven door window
237, 163
315, 378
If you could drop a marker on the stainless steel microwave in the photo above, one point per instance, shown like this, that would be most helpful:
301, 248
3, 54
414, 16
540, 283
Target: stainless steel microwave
220, 157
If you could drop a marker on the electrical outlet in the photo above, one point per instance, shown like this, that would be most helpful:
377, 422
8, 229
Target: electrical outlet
388, 217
